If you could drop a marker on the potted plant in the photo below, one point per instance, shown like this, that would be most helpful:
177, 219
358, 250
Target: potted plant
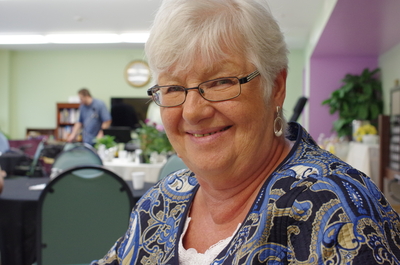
360, 98
153, 139
106, 140
366, 134
106, 147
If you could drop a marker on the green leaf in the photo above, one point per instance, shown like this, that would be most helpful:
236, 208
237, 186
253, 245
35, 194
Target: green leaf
346, 89
342, 127
367, 90
362, 112
374, 111
326, 101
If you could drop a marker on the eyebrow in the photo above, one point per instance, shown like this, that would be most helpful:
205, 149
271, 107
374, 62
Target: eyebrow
173, 79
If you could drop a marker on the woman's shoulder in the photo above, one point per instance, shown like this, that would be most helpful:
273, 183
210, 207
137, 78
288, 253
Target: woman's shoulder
177, 186
316, 179
311, 173
307, 159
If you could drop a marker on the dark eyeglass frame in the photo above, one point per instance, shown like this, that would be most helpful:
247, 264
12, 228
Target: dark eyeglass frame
243, 80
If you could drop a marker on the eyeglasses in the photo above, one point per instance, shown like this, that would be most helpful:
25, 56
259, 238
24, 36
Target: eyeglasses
219, 89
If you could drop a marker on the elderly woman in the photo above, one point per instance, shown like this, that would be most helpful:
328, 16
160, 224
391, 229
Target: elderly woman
257, 191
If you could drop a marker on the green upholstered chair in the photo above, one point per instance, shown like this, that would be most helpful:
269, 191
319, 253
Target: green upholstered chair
35, 162
173, 163
68, 146
81, 214
80, 155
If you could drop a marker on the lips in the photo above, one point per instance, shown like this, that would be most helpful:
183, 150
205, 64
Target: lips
211, 133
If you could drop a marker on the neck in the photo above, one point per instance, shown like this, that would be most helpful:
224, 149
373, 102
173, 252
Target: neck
226, 206
89, 101
228, 203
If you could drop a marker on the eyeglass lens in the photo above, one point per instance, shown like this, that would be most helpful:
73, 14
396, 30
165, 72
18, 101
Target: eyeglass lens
213, 90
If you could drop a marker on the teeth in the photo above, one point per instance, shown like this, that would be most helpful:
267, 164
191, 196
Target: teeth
202, 135
207, 134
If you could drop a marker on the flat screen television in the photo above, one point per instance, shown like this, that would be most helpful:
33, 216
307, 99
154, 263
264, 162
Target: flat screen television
121, 134
129, 111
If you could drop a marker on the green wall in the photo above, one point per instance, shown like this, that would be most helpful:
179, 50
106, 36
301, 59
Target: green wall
32, 82
389, 63
294, 82
4, 90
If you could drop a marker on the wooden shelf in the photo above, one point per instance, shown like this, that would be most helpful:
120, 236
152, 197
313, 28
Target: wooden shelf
67, 116
41, 131
66, 124
392, 174
385, 172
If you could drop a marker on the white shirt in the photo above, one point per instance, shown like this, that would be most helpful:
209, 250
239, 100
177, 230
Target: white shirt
192, 257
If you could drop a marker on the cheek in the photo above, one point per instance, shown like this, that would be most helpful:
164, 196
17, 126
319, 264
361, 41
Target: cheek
258, 120
170, 118
253, 111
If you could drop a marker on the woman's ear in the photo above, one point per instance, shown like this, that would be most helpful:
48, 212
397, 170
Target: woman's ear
279, 92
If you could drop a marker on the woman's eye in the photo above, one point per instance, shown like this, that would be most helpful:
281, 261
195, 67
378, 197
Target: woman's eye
222, 83
172, 89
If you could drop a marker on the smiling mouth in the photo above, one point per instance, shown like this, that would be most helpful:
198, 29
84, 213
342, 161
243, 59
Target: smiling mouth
211, 133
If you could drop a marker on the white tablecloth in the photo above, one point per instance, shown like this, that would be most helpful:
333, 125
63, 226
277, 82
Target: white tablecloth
365, 157
124, 169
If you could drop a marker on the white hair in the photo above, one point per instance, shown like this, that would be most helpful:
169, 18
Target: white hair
183, 30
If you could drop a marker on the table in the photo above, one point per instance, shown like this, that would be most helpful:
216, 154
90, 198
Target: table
18, 221
365, 157
18, 213
124, 169
9, 160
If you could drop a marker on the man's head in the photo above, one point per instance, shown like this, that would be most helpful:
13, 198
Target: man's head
85, 97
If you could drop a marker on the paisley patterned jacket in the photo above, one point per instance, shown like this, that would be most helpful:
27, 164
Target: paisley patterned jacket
314, 209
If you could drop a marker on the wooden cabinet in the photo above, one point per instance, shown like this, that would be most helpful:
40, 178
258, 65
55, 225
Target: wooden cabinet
389, 147
67, 116
40, 132
389, 173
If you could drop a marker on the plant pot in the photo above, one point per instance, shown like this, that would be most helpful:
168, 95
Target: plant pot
370, 139
355, 125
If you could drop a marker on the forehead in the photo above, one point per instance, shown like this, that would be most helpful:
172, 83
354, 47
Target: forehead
82, 97
203, 70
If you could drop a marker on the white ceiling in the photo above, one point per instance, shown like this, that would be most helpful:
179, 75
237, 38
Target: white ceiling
296, 18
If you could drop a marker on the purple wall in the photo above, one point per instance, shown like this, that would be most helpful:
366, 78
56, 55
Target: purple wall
357, 32
326, 76
360, 28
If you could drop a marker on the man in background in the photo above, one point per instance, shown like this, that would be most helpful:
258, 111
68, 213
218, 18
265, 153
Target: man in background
93, 118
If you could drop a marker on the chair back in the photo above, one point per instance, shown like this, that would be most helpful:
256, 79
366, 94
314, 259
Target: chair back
69, 146
81, 214
298, 108
173, 163
80, 155
35, 161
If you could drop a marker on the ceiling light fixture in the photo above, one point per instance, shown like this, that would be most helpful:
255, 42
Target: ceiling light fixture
135, 37
22, 39
139, 37
83, 38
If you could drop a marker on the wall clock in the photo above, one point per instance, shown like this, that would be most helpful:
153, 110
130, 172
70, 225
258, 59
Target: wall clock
137, 73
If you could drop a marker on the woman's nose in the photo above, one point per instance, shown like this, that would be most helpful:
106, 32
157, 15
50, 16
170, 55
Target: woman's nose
196, 108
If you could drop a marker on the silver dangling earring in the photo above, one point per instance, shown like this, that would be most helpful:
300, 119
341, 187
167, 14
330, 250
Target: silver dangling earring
278, 120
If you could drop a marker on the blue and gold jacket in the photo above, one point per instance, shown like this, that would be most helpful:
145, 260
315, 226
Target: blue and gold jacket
314, 209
